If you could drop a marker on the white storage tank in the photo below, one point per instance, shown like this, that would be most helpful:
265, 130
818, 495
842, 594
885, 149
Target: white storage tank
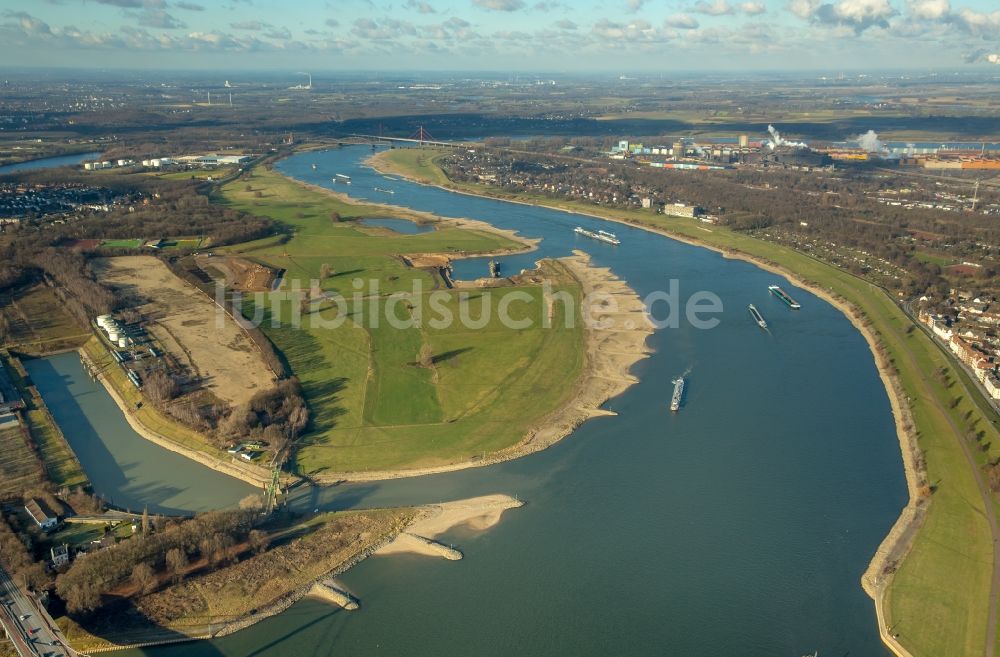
89, 166
124, 342
113, 336
102, 320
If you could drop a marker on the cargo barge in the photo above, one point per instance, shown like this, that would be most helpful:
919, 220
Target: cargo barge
341, 178
757, 317
781, 294
600, 236
675, 400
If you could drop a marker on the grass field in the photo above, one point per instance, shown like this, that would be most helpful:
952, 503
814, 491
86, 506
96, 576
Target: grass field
19, 470
939, 599
374, 406
61, 465
38, 324
134, 243
196, 174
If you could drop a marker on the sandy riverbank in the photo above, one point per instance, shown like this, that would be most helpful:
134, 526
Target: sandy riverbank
477, 513
897, 542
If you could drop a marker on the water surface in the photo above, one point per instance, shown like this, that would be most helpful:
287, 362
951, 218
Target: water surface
124, 468
48, 162
737, 527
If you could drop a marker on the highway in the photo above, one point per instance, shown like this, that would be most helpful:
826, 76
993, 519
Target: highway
29, 628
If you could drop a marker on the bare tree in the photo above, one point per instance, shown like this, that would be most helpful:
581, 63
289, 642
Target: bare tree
144, 578
177, 563
258, 541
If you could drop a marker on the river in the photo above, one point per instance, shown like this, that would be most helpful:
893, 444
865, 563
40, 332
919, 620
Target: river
124, 468
48, 162
739, 526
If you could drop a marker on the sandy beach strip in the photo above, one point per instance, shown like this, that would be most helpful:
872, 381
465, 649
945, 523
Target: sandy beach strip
477, 514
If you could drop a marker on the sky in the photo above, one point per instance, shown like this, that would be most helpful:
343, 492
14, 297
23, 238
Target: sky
501, 35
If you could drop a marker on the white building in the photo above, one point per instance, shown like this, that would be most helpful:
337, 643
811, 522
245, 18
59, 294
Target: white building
992, 384
44, 521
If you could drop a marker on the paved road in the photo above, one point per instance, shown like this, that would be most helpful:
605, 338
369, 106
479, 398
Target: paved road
28, 627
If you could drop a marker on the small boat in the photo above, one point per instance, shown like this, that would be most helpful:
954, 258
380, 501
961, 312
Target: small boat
314, 167
384, 191
341, 178
757, 316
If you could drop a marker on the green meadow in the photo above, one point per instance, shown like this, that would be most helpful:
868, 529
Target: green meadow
404, 394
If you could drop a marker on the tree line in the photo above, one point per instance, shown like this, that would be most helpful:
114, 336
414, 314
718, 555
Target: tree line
208, 536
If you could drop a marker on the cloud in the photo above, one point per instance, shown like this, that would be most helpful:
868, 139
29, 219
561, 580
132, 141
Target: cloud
382, 30
421, 7
637, 30
752, 8
277, 33
981, 55
803, 8
499, 5
858, 15
682, 22
30, 25
190, 6
566, 24
713, 7
929, 9
634, 5
157, 18
250, 26
726, 8
977, 23
331, 22
134, 4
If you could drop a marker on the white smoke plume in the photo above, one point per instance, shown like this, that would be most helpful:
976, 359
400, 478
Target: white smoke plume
777, 140
870, 142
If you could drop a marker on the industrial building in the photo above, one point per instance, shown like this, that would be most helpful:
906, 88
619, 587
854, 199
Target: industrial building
42, 518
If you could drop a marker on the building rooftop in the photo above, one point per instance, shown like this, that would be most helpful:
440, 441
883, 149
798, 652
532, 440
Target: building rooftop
36, 511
